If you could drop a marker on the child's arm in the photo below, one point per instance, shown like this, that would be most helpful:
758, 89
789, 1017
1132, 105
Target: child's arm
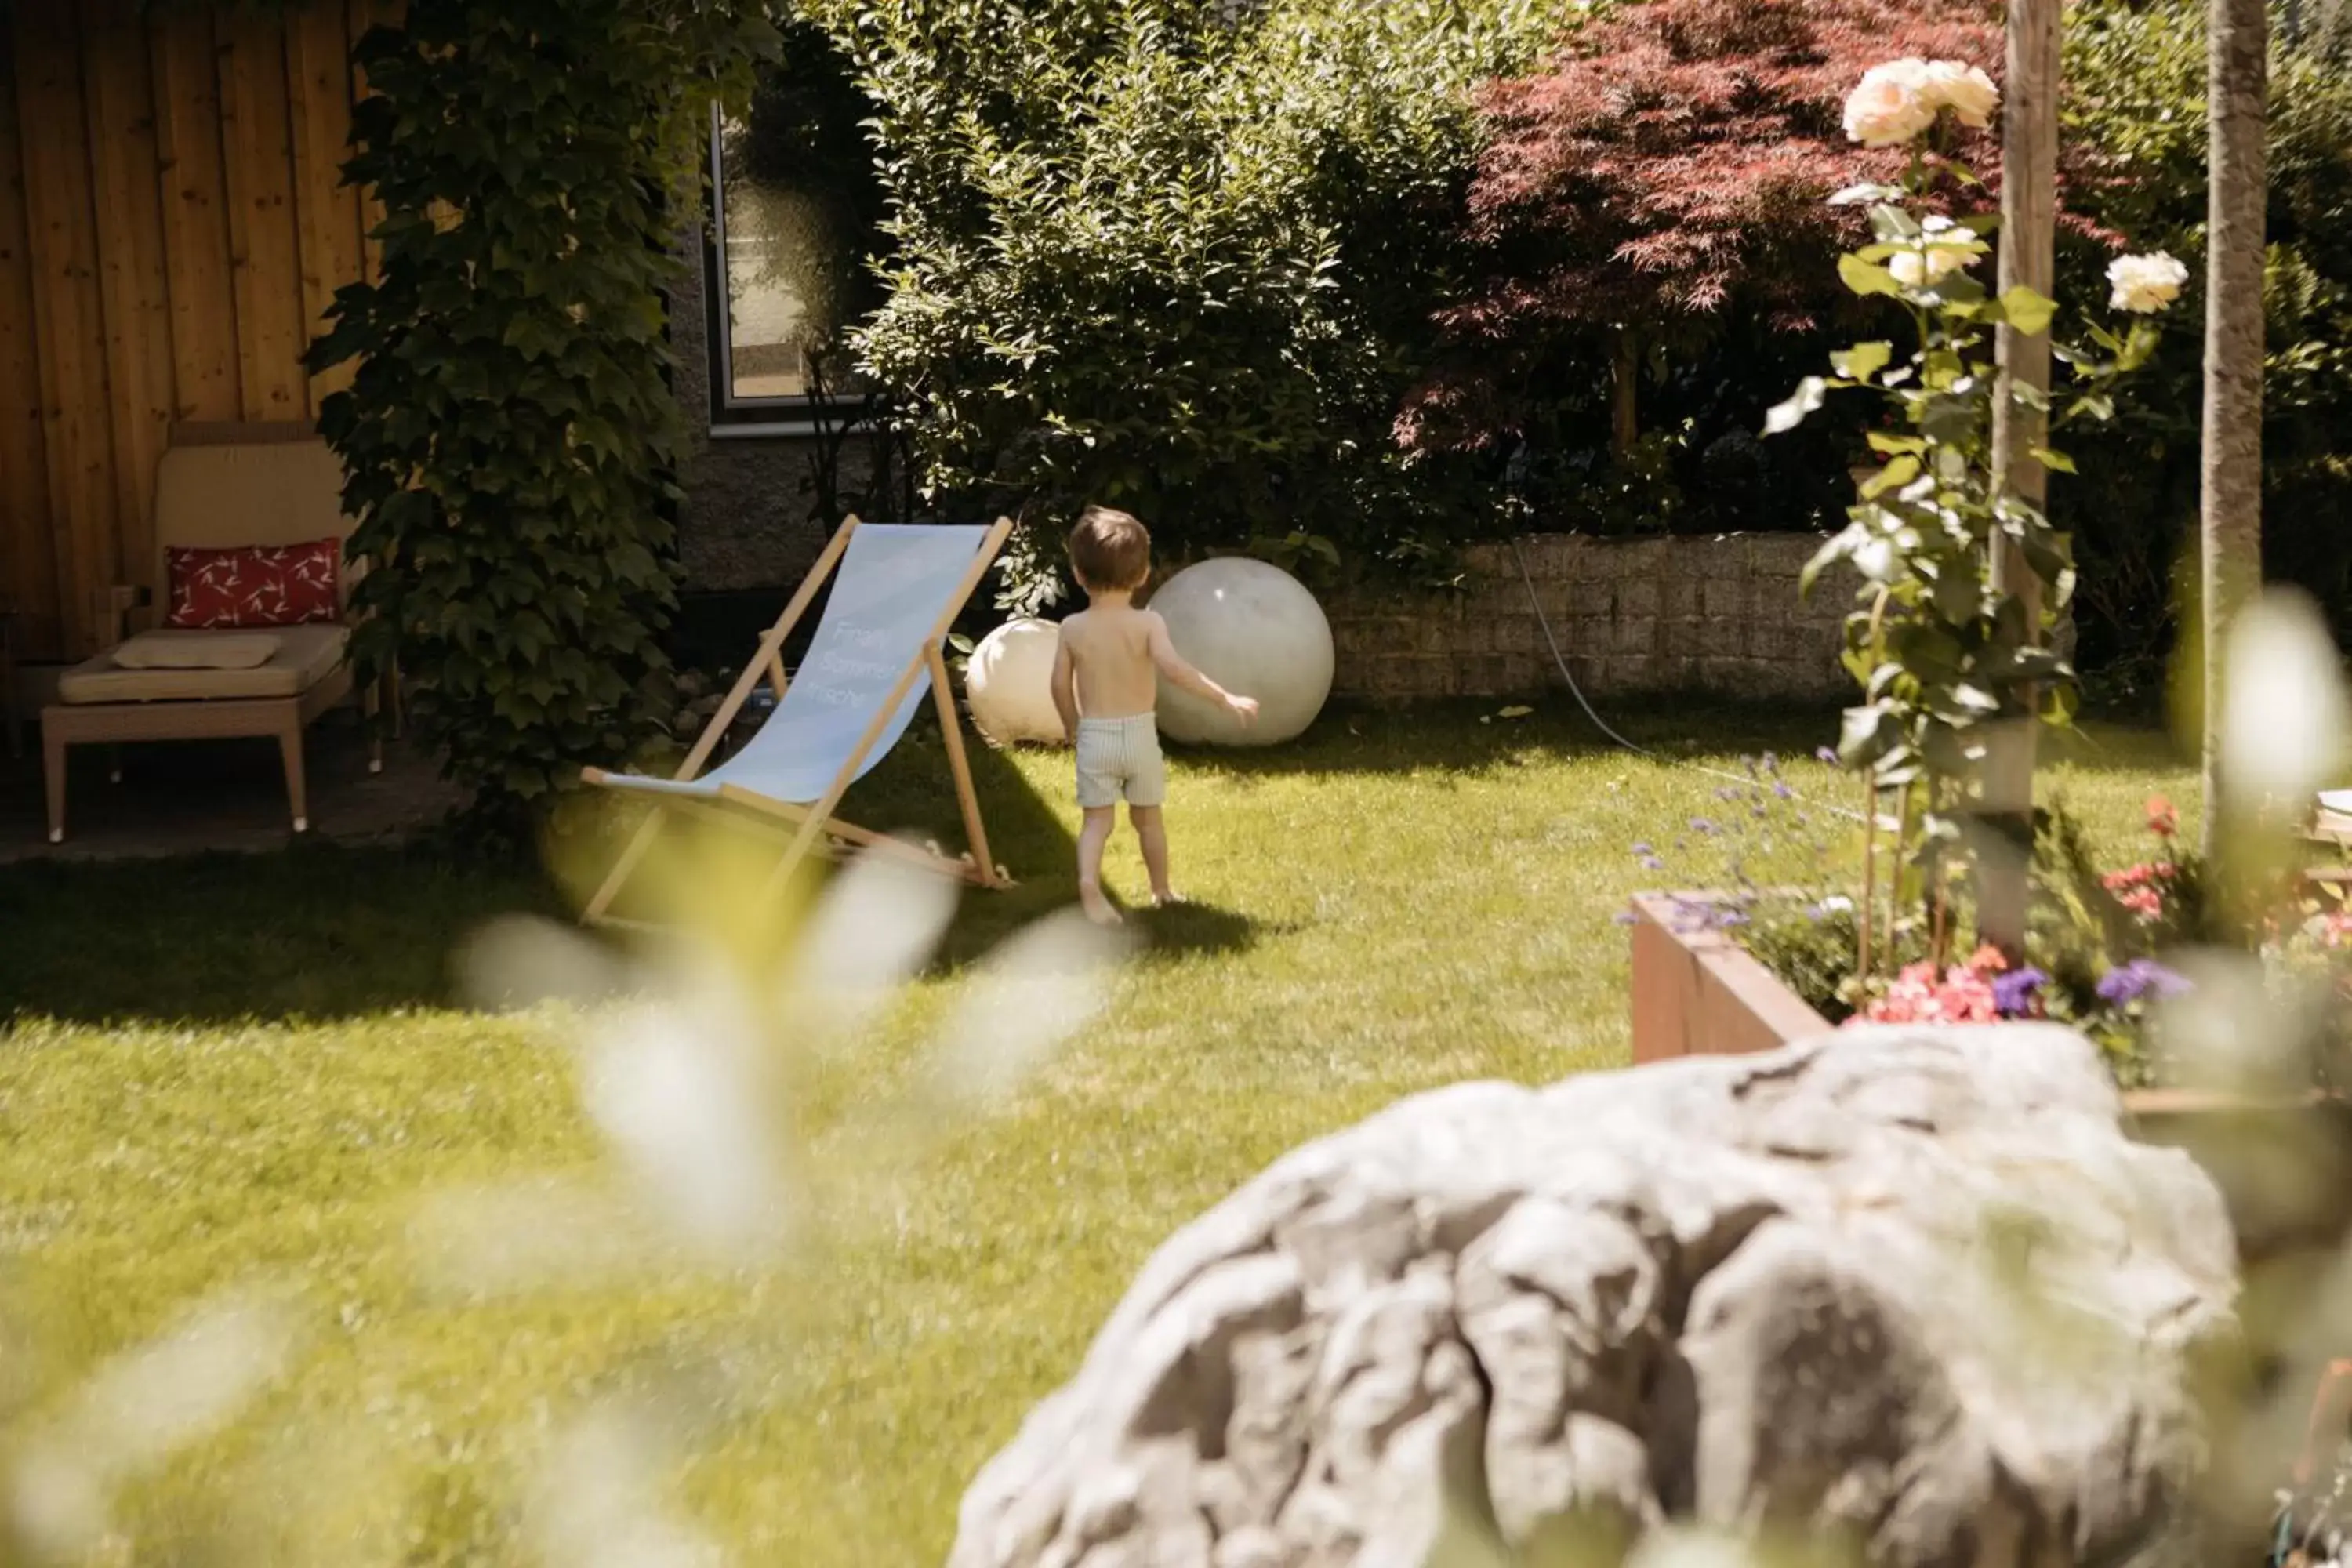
1065, 689
1174, 666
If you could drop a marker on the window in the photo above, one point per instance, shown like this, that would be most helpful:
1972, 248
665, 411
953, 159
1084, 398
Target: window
782, 274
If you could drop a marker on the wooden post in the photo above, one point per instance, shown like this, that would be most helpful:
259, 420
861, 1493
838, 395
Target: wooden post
2029, 207
2231, 516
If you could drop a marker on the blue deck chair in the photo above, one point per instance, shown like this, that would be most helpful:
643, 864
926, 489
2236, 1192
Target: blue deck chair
899, 590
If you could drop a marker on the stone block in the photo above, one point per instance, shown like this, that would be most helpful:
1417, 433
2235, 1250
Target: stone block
1724, 677
1486, 600
1723, 637
1596, 597
1638, 595
1643, 560
1633, 674
1593, 636
1489, 560
1526, 675
1678, 595
1634, 635
1551, 557
1490, 675
1723, 597
1514, 633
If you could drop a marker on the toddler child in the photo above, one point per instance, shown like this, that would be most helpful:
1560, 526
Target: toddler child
1105, 686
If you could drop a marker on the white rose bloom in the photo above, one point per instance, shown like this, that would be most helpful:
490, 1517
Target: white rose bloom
2145, 284
1890, 104
1964, 89
1916, 269
1874, 559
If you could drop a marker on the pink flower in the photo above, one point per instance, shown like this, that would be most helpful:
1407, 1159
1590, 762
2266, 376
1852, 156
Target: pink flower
1919, 996
2162, 819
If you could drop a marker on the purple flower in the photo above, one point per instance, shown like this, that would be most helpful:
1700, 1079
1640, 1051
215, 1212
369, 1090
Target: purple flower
1652, 863
2013, 992
1727, 917
1784, 792
1642, 850
1822, 754
1701, 825
2140, 978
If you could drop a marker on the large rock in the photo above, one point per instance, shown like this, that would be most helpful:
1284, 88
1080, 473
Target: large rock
1914, 1288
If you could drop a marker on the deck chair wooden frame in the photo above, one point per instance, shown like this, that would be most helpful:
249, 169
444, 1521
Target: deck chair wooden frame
815, 827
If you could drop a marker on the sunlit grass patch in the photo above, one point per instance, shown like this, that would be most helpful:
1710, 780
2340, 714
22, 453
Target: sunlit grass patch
260, 1074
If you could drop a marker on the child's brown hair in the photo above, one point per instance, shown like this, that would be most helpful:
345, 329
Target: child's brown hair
1110, 551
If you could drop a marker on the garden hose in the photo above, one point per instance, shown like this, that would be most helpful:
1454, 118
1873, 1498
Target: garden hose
1561, 660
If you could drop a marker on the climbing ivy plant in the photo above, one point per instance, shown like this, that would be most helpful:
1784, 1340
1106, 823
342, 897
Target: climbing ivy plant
510, 435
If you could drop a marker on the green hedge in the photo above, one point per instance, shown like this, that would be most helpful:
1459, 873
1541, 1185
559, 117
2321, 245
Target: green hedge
2136, 86
1146, 255
510, 434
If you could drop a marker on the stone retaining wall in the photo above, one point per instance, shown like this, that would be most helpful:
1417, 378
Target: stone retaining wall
1717, 615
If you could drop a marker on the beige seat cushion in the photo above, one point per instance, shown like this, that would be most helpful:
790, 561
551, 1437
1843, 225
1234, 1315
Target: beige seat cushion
195, 650
304, 657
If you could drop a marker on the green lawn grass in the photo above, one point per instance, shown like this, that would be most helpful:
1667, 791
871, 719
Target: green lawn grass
239, 1069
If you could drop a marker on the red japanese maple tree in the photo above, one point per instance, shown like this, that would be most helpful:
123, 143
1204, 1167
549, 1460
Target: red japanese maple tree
1672, 164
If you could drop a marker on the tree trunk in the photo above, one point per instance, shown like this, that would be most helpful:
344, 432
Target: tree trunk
2230, 531
2029, 204
1624, 394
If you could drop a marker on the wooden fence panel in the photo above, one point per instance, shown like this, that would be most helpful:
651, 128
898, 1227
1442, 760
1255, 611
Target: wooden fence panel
196, 216
118, 76
318, 64
28, 562
257, 133
363, 14
75, 408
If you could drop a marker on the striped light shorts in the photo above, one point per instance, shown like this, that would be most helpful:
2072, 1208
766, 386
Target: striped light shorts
1120, 758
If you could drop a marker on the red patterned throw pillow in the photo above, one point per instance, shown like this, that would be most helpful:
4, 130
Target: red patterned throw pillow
255, 585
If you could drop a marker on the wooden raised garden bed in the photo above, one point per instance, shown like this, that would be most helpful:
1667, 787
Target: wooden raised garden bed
2284, 1167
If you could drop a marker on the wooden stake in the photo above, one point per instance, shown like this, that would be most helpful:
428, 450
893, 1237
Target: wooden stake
975, 831
2029, 208
2230, 533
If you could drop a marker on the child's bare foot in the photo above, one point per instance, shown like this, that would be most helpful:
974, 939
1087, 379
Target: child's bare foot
1165, 897
1099, 910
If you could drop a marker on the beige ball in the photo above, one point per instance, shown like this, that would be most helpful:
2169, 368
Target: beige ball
1009, 683
1255, 630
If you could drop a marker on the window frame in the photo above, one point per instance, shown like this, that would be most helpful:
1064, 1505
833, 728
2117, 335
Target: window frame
733, 416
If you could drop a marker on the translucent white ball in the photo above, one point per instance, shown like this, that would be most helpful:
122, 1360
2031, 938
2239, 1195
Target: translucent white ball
1009, 682
1255, 630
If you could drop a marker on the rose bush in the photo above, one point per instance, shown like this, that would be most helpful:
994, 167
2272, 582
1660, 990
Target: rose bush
1942, 647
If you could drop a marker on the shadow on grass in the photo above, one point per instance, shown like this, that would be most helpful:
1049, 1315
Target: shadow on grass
322, 932
319, 931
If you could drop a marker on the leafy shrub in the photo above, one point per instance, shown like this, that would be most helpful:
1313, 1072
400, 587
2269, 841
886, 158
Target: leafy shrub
2135, 85
511, 434
1169, 256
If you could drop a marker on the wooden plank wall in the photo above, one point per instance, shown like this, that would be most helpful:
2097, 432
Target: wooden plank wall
173, 225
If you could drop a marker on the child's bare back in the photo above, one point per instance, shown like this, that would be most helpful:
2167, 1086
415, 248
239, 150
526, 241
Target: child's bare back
1114, 653
1107, 687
